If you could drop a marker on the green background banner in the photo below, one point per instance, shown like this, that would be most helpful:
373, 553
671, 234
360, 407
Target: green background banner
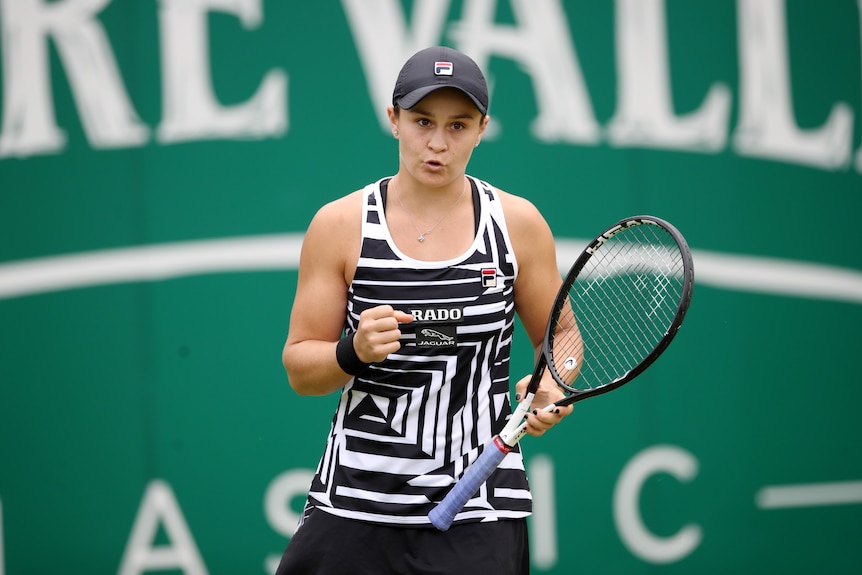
160, 161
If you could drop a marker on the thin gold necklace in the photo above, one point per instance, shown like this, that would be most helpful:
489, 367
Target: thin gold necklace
422, 234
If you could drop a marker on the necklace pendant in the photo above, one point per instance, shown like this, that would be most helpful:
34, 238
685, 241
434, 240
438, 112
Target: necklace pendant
421, 237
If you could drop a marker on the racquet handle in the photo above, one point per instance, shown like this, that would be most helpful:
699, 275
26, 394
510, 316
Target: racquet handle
444, 514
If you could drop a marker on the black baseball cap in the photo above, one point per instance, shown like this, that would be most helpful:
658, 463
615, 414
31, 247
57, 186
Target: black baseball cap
439, 67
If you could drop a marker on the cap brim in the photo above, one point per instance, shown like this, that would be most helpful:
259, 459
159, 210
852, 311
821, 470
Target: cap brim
407, 101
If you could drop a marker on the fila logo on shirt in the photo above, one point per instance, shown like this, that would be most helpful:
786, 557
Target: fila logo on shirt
489, 277
443, 68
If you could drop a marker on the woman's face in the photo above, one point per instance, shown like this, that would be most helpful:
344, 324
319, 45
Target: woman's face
437, 136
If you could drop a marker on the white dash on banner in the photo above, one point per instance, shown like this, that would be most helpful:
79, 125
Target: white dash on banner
809, 495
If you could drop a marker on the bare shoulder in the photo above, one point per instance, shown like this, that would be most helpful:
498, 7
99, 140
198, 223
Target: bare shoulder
339, 215
538, 278
527, 226
334, 234
337, 222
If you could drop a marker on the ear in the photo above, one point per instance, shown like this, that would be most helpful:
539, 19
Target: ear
393, 120
482, 127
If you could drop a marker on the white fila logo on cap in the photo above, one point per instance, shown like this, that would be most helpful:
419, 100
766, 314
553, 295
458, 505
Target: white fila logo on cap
443, 68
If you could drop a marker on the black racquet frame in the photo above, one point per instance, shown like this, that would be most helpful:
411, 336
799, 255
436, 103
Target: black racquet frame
444, 514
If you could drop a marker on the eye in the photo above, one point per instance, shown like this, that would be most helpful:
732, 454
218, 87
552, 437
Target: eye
458, 126
423, 122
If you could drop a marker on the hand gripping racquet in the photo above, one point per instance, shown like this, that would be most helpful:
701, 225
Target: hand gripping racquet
619, 307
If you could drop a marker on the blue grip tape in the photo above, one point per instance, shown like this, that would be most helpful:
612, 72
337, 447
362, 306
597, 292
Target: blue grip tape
444, 514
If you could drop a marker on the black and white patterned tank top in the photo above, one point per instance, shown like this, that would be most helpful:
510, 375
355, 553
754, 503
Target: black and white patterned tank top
407, 427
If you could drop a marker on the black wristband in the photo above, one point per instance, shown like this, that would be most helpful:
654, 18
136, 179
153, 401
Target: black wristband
346, 356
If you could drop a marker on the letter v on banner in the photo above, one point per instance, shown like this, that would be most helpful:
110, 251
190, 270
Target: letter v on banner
540, 42
383, 54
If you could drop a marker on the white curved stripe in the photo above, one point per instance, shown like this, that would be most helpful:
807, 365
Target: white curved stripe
803, 279
149, 263
281, 252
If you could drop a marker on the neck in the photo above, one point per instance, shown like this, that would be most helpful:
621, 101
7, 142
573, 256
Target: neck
426, 211
414, 192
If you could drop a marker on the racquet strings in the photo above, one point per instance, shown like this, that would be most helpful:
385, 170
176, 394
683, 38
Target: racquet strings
625, 299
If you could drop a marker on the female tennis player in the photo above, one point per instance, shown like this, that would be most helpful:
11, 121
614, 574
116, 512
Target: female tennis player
405, 305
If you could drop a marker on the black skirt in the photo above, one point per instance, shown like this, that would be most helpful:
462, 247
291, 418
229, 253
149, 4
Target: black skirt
326, 544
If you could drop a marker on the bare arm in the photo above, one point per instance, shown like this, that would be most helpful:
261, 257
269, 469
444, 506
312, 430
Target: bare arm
535, 290
326, 266
319, 307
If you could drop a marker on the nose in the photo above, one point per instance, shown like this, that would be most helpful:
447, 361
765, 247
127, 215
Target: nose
437, 141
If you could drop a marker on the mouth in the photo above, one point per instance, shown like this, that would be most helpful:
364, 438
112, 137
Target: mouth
434, 165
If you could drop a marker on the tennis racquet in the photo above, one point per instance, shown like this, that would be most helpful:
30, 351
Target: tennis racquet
619, 307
